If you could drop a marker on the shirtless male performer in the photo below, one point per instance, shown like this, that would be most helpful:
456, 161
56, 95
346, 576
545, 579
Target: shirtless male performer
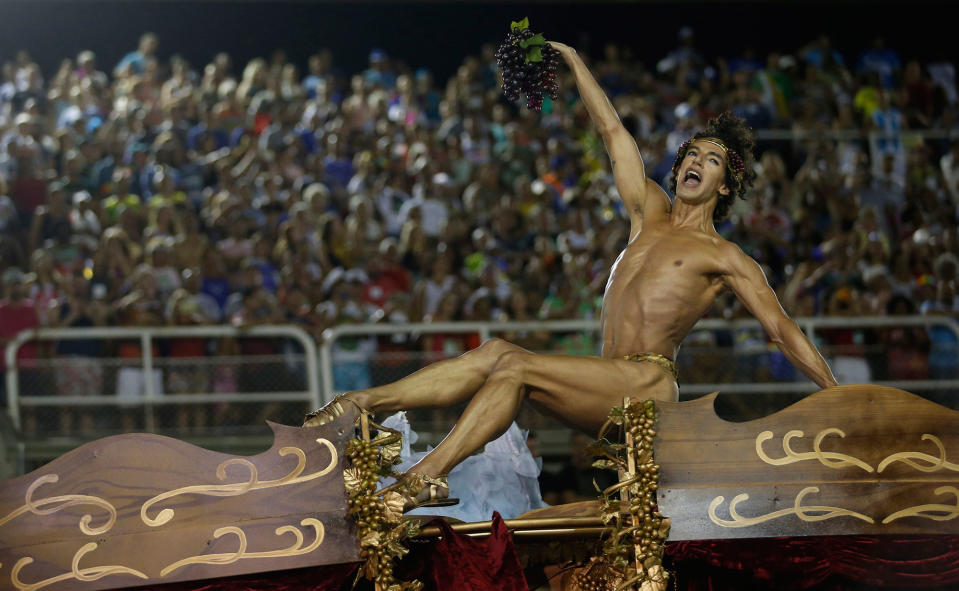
673, 267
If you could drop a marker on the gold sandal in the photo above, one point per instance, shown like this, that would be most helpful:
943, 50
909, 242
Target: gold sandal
406, 493
333, 410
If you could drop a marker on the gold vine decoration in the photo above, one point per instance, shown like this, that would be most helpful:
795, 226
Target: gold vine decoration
239, 488
380, 533
62, 502
633, 552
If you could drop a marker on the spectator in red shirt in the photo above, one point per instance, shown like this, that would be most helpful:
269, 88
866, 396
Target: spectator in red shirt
17, 314
386, 275
189, 374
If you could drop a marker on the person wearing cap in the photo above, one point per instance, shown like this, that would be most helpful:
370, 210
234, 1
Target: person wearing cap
672, 269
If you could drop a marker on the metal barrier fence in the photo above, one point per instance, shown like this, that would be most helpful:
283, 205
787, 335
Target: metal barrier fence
54, 395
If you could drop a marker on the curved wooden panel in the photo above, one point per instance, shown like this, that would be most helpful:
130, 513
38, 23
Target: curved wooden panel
138, 508
846, 460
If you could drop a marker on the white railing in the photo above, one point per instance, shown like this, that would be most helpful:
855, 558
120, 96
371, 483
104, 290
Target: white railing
485, 330
146, 337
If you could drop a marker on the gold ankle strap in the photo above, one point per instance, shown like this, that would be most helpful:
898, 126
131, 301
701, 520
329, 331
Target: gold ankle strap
435, 480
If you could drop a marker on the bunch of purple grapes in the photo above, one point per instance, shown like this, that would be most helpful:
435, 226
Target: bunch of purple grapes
529, 66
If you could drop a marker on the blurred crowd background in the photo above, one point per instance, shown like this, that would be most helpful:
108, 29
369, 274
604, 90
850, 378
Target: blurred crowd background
162, 192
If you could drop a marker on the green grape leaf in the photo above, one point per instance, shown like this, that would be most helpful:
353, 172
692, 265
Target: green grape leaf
536, 39
534, 55
521, 25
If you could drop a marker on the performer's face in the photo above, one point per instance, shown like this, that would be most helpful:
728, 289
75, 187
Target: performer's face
702, 172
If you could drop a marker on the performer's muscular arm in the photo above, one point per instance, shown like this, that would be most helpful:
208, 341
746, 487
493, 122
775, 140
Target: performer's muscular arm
634, 188
746, 279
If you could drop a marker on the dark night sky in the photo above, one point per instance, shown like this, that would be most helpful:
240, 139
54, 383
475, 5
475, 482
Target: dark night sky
440, 34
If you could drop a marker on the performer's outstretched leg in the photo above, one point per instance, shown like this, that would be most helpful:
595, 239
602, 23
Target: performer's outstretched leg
578, 390
439, 385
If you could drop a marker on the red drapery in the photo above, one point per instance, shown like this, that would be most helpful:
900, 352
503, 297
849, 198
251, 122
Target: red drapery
458, 562
912, 562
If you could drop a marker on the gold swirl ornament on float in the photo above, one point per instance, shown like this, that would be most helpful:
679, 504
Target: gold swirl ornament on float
826, 458
239, 488
85, 575
933, 511
61, 502
803, 513
935, 464
295, 549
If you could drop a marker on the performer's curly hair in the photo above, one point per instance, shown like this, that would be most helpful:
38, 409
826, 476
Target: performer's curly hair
739, 140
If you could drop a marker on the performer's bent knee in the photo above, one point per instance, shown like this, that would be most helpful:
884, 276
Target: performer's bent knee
497, 347
491, 350
511, 365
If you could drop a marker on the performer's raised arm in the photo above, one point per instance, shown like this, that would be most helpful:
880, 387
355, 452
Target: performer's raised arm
746, 279
643, 198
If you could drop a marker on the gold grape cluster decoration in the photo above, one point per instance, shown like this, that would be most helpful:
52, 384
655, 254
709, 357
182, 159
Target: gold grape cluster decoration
381, 535
633, 551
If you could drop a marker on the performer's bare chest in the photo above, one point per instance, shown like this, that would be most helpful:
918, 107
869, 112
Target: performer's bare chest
658, 265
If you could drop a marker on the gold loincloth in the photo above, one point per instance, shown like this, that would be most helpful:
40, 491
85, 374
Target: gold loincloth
661, 360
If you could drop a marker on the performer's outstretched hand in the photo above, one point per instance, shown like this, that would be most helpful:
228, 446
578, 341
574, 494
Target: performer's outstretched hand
561, 47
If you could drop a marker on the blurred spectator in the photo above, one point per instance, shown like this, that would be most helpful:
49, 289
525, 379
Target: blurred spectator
79, 372
882, 60
438, 346
949, 165
17, 314
847, 346
50, 221
387, 276
140, 307
135, 62
351, 355
188, 373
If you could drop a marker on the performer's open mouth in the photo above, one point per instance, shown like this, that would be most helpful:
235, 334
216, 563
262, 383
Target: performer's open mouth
692, 179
